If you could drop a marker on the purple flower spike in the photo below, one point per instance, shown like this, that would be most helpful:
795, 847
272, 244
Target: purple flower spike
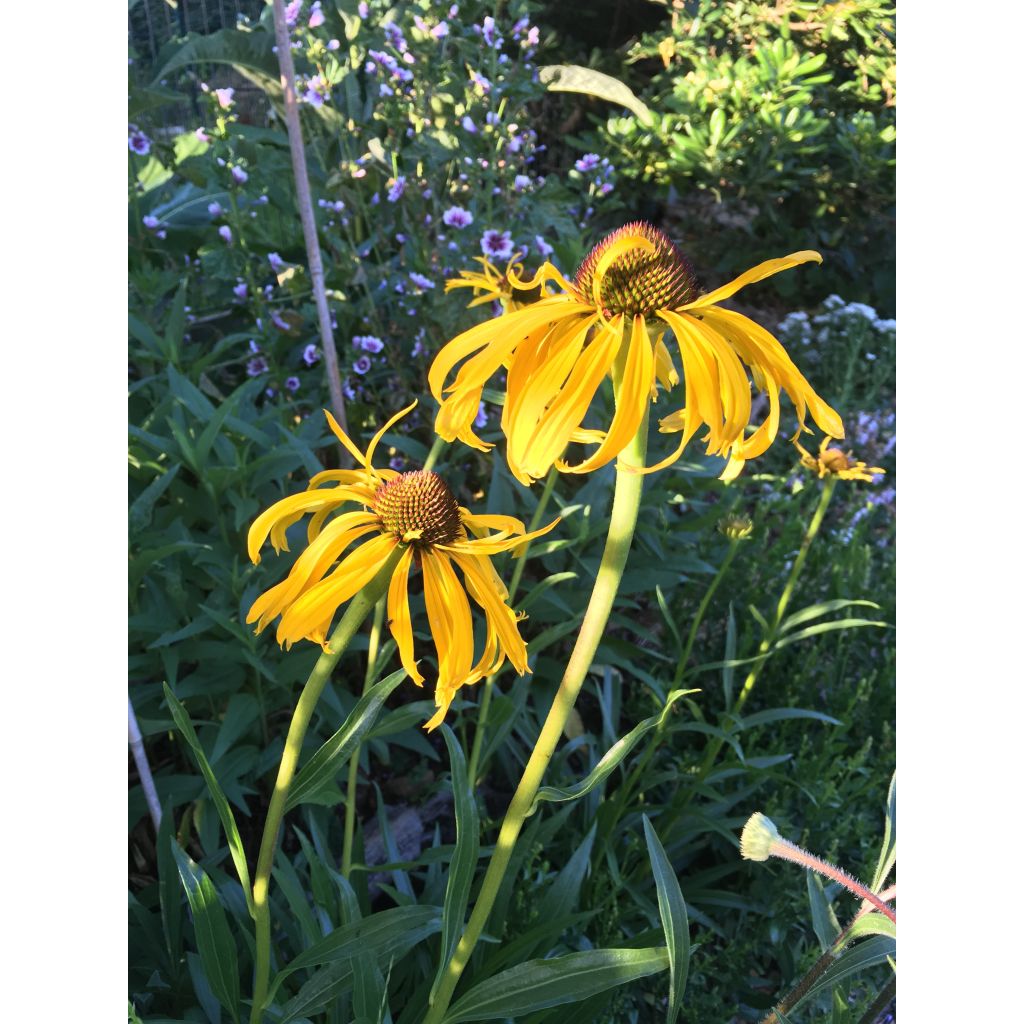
362, 365
310, 355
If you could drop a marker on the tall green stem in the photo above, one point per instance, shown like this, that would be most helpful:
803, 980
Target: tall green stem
625, 508
353, 764
435, 450
702, 608
517, 575
359, 607
715, 746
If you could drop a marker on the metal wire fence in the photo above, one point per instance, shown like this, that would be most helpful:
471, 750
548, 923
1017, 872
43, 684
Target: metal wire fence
154, 23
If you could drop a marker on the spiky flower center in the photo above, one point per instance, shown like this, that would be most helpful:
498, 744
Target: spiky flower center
419, 508
640, 280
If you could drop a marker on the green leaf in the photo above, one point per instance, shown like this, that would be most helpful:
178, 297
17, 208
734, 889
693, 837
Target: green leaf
815, 611
538, 984
170, 894
227, 818
728, 668
560, 900
887, 857
322, 768
823, 917
828, 627
866, 954
387, 936
611, 760
782, 714
573, 78
672, 908
213, 936
464, 860
874, 923
141, 510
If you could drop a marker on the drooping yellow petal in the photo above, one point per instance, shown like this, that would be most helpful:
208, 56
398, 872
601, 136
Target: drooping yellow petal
536, 378
498, 338
289, 510
321, 601
633, 399
491, 522
758, 273
536, 454
498, 542
311, 565
500, 615
399, 618
771, 355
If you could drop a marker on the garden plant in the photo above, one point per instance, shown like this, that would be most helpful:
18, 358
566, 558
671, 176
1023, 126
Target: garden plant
511, 514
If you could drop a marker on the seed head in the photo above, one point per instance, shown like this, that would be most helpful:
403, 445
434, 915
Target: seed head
757, 837
639, 281
419, 508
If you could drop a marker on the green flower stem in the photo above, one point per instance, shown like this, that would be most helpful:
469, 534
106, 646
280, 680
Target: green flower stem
353, 764
715, 746
436, 448
359, 607
625, 508
699, 618
517, 575
636, 773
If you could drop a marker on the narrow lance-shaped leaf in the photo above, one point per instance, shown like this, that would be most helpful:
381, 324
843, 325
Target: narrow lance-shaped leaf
611, 760
323, 767
672, 908
887, 857
539, 984
463, 863
213, 935
227, 818
574, 78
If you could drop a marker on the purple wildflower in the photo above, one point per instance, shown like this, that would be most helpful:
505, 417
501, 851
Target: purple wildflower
225, 97
333, 44
468, 126
215, 209
310, 355
291, 12
532, 37
522, 182
150, 221
368, 343
225, 232
440, 30
417, 349
362, 365
317, 90
420, 281
490, 34
316, 19
241, 290
254, 367
279, 321
542, 247
138, 142
396, 188
201, 135
497, 244
481, 417
292, 384
364, 9
239, 175
457, 217
396, 462
276, 263
587, 162
254, 345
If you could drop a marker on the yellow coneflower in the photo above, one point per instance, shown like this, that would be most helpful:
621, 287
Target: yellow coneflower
834, 462
491, 285
632, 286
417, 512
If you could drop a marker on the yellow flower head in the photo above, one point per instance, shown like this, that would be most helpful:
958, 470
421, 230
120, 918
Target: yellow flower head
413, 511
735, 526
833, 462
491, 285
631, 287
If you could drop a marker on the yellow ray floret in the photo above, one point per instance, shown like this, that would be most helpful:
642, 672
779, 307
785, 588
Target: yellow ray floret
416, 513
610, 319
